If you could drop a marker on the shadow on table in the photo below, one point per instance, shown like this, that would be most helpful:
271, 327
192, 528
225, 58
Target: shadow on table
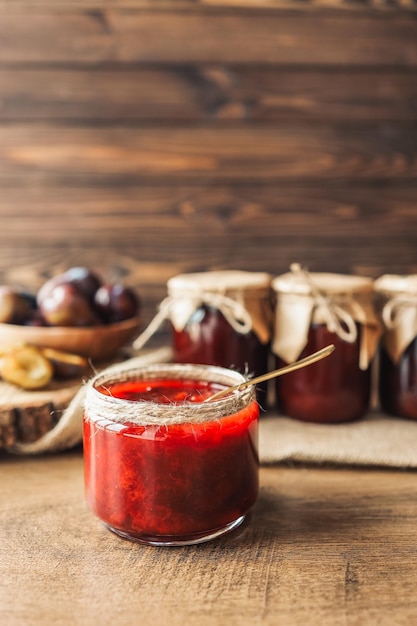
316, 520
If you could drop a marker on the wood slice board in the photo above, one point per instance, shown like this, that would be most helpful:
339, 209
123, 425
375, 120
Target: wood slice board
27, 415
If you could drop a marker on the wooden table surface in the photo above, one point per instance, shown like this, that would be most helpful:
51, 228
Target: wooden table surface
323, 546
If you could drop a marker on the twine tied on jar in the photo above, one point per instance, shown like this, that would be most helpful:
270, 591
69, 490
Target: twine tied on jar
234, 312
341, 302
243, 298
103, 408
337, 320
398, 309
393, 310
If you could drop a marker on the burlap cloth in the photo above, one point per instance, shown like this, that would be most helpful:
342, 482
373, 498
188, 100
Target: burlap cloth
377, 440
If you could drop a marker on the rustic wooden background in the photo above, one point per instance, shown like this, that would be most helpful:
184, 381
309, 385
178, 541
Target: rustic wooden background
147, 138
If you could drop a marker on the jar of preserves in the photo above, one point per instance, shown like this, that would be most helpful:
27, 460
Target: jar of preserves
162, 466
221, 318
311, 311
397, 375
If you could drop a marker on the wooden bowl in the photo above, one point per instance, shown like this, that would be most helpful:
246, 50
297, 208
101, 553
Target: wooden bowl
95, 342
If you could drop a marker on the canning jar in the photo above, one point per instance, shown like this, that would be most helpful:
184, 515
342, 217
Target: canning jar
219, 318
311, 311
397, 377
163, 467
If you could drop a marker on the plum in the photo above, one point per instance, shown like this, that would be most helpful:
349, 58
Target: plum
86, 281
116, 302
15, 306
65, 305
78, 297
48, 286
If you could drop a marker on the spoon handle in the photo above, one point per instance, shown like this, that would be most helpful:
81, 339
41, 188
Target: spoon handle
308, 360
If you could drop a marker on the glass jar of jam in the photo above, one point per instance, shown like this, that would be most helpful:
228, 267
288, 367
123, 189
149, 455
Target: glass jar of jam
162, 466
397, 375
222, 318
313, 310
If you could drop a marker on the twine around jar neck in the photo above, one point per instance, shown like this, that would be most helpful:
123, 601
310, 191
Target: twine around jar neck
235, 313
337, 320
105, 409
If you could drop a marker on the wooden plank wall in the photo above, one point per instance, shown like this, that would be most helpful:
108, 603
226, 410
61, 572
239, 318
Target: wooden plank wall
150, 138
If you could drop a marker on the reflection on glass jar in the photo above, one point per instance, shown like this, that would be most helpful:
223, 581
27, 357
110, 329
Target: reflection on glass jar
397, 379
163, 467
313, 310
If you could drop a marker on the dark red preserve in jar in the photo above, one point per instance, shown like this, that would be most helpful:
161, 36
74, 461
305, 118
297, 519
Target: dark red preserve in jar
161, 466
397, 376
312, 312
222, 318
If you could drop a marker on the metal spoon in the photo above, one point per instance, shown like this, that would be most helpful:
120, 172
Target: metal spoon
311, 358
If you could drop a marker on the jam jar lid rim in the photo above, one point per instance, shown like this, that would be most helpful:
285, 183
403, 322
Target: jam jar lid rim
219, 281
332, 283
396, 284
